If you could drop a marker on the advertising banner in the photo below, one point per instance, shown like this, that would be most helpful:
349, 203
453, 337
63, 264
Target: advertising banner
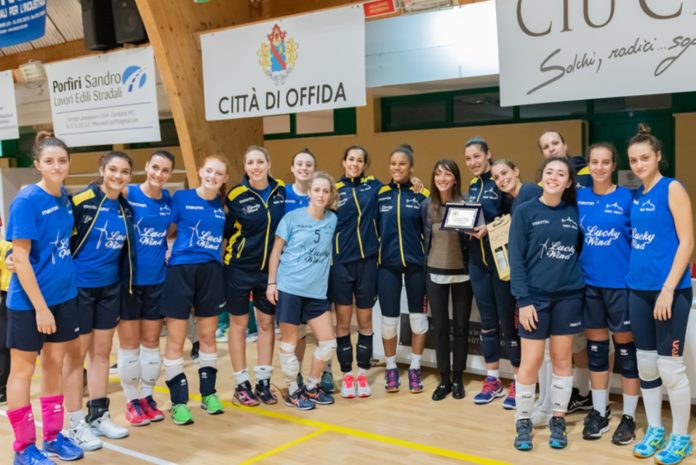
21, 21
9, 127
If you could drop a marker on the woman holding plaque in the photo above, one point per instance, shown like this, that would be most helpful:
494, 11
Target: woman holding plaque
495, 303
660, 296
447, 275
548, 284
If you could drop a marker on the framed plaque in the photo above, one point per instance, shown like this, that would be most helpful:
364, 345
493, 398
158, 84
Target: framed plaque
462, 216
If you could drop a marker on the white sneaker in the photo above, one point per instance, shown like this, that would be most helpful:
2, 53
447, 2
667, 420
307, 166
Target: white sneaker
363, 387
83, 436
348, 386
103, 426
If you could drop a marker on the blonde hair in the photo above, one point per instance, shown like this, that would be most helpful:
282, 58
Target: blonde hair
258, 148
332, 204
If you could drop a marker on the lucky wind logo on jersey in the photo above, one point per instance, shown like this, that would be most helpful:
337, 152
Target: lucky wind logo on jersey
132, 76
278, 56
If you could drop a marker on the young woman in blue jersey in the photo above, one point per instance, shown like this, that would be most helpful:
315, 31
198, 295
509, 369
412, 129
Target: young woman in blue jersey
401, 256
660, 297
139, 329
548, 284
447, 278
42, 307
302, 167
298, 282
493, 299
604, 211
507, 177
104, 255
194, 283
255, 207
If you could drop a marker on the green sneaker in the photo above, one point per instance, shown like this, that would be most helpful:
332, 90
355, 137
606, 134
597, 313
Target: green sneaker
181, 415
212, 405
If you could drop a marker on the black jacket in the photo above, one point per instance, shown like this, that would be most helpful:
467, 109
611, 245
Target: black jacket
428, 231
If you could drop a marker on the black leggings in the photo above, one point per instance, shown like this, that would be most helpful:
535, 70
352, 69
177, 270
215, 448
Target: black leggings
4, 351
438, 295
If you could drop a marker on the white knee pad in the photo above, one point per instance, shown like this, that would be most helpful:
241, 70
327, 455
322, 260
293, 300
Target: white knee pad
419, 323
325, 350
579, 343
390, 327
129, 366
647, 364
561, 389
288, 361
673, 372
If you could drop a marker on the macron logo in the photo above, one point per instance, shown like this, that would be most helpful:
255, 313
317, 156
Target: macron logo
48, 211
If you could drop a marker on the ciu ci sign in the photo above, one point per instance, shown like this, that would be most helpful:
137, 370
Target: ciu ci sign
556, 50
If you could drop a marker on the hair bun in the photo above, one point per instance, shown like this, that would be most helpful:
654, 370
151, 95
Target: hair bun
476, 140
405, 147
42, 135
644, 129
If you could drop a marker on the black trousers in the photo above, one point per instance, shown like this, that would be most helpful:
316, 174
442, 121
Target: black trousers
458, 343
4, 351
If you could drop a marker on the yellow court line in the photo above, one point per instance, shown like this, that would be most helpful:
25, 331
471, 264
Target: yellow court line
285, 446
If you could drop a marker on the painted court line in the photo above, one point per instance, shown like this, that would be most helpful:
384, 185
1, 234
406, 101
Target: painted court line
285, 446
119, 449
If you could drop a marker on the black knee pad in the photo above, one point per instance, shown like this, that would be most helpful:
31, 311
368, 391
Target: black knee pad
178, 389
344, 353
514, 352
207, 377
364, 351
598, 355
625, 359
490, 346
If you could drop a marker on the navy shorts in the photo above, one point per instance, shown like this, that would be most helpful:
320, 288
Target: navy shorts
239, 284
142, 304
99, 307
196, 287
606, 308
667, 337
22, 333
389, 284
296, 310
357, 279
557, 317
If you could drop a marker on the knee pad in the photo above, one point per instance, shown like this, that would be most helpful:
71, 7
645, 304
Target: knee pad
514, 352
625, 359
325, 350
344, 353
598, 356
579, 343
673, 372
647, 369
419, 323
288, 361
490, 346
561, 389
129, 366
390, 326
364, 351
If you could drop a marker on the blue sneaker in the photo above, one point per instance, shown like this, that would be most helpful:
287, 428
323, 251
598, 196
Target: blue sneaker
523, 434
391, 380
510, 402
653, 441
32, 456
299, 400
318, 396
327, 382
678, 448
63, 448
559, 437
492, 389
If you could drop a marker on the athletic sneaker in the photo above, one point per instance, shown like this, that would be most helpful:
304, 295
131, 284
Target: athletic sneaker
299, 380
327, 382
84, 437
103, 426
136, 414
653, 441
578, 402
318, 396
391, 383
626, 431
299, 400
252, 337
63, 448
523, 434
195, 350
364, 389
212, 405
595, 425
348, 386
491, 390
510, 403
181, 415
245, 395
150, 407
678, 448
415, 382
559, 437
221, 335
32, 456
264, 393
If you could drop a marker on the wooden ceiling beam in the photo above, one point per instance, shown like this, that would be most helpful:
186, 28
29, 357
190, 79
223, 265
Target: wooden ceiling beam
66, 51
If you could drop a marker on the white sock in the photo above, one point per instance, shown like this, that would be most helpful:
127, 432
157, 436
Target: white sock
76, 417
582, 379
173, 368
391, 362
561, 389
150, 365
599, 400
630, 404
362, 371
652, 403
680, 405
262, 372
524, 400
242, 376
207, 359
415, 361
493, 373
312, 383
128, 361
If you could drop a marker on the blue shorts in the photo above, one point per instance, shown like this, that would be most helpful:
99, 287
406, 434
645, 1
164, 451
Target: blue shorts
195, 287
606, 308
667, 337
240, 284
389, 284
557, 317
142, 304
357, 279
296, 310
22, 333
99, 307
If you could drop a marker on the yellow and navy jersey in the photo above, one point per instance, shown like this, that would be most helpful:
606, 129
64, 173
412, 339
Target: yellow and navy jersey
251, 223
400, 225
356, 231
483, 190
582, 172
